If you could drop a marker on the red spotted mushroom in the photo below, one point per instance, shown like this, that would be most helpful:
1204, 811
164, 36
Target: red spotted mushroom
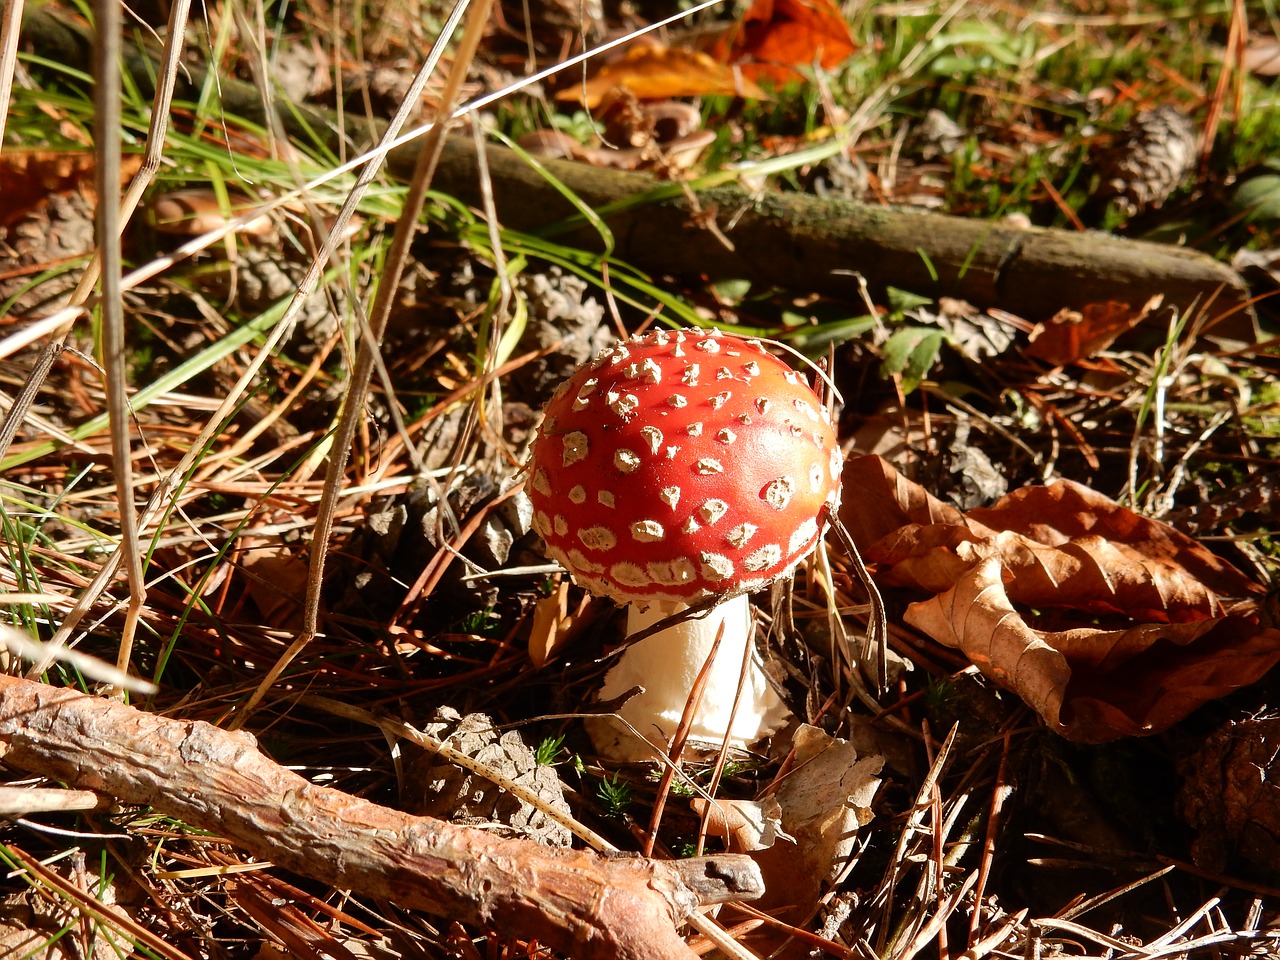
676, 467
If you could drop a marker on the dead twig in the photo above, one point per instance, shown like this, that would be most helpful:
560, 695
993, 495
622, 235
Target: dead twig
1000, 792
588, 906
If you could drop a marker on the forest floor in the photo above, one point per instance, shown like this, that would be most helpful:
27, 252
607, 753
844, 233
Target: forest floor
1033, 249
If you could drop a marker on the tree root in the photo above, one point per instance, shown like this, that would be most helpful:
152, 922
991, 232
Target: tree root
577, 902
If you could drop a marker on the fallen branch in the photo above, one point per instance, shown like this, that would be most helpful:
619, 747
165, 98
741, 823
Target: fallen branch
577, 902
811, 244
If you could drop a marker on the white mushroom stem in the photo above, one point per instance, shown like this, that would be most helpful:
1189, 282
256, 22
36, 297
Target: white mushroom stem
667, 665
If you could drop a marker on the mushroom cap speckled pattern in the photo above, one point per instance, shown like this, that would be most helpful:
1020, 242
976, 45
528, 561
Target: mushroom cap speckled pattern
681, 465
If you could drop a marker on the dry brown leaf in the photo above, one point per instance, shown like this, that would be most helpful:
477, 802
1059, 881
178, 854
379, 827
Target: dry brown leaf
747, 825
546, 635
27, 177
1073, 335
878, 501
827, 797
194, 211
1064, 511
1093, 685
901, 523
823, 802
776, 38
658, 73
276, 582
1262, 55
1089, 573
555, 626
1136, 624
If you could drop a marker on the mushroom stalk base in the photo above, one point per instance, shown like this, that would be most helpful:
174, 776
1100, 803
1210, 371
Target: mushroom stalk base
667, 664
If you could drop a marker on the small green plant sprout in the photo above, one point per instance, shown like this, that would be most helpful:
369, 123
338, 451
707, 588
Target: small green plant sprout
735, 768
912, 348
683, 788
615, 794
939, 695
911, 351
482, 622
548, 750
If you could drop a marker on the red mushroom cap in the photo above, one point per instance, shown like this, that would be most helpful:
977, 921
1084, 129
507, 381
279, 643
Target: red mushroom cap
681, 465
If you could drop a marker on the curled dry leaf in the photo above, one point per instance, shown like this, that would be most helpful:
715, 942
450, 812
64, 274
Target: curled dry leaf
821, 805
747, 825
1135, 624
550, 622
1262, 55
1072, 335
679, 154
657, 73
195, 211
28, 177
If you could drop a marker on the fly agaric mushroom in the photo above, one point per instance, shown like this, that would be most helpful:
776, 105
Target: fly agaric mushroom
676, 467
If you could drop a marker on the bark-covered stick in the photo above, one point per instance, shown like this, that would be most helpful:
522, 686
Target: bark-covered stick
576, 902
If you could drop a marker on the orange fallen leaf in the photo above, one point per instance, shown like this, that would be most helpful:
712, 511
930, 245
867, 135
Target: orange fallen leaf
197, 210
28, 176
1088, 574
1135, 625
1064, 545
550, 616
658, 73
555, 626
1073, 335
775, 39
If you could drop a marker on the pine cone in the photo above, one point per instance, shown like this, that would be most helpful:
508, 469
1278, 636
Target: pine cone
1148, 161
1229, 796
260, 278
437, 788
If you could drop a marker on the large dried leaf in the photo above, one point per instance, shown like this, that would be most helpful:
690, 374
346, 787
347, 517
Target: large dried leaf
1090, 574
1262, 55
1064, 511
29, 176
900, 524
878, 501
1135, 624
